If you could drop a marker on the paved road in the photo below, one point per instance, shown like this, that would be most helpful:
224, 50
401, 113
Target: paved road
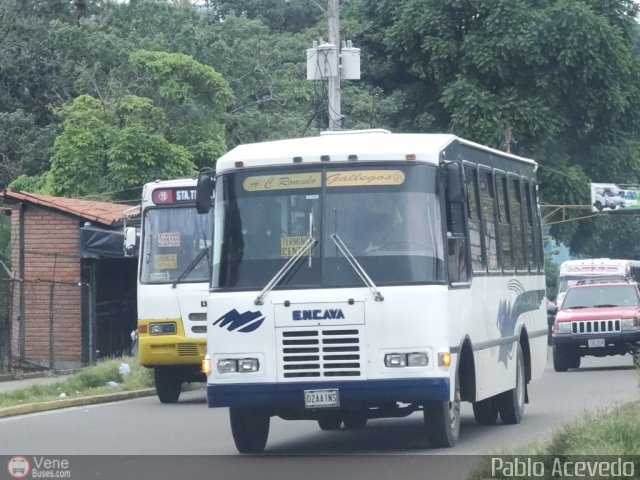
146, 427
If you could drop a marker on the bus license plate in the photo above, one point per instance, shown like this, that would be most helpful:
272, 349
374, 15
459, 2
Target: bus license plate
321, 398
596, 342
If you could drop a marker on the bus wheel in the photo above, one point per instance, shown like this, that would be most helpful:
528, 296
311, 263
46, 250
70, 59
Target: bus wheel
168, 384
355, 420
486, 411
329, 421
560, 360
442, 420
250, 429
511, 402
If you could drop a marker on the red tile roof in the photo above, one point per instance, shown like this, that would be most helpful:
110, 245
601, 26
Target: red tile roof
102, 212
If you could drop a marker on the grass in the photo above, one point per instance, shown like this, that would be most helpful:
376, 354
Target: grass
602, 436
87, 382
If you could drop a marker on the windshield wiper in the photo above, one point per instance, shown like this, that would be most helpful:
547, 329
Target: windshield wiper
357, 267
308, 245
577, 306
191, 266
604, 305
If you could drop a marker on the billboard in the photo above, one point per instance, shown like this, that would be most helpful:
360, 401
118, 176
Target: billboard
608, 197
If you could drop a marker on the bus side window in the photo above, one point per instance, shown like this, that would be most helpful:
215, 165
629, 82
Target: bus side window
504, 223
478, 263
517, 227
529, 234
457, 253
487, 202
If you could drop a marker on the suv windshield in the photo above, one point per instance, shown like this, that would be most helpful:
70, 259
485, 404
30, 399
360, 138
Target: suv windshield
387, 216
601, 295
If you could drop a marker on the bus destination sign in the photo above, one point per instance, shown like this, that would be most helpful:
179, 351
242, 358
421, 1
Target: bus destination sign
164, 196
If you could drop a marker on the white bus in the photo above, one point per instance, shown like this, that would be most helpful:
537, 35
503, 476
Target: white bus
360, 275
572, 271
173, 284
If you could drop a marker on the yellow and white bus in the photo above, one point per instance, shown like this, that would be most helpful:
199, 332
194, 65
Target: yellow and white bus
364, 274
173, 284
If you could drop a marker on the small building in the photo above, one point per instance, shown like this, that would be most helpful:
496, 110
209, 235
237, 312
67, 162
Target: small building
73, 290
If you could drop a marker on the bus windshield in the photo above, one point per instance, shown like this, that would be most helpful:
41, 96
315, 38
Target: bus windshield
173, 238
388, 217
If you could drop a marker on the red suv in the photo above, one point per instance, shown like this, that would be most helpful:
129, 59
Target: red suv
597, 318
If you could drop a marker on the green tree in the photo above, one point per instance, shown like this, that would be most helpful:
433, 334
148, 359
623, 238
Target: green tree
562, 76
193, 96
112, 148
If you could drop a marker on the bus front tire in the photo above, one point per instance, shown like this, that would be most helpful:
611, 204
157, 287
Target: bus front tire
329, 421
511, 402
355, 420
250, 429
486, 411
442, 420
168, 384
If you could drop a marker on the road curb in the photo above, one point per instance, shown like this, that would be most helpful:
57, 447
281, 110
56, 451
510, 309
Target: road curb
73, 402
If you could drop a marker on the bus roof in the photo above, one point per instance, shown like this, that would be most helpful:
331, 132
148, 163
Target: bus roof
583, 266
366, 145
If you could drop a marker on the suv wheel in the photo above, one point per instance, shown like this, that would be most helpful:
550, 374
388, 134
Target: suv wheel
560, 360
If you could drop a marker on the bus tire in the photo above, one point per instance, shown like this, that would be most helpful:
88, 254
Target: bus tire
560, 360
511, 402
442, 420
168, 384
486, 411
330, 421
250, 429
355, 420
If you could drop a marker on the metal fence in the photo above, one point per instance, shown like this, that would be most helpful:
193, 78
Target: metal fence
6, 294
59, 325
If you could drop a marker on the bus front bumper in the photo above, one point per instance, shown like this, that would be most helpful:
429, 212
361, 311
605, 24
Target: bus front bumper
290, 396
171, 350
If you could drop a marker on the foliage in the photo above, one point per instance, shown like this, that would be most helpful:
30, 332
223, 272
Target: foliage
24, 147
562, 76
113, 146
182, 84
89, 381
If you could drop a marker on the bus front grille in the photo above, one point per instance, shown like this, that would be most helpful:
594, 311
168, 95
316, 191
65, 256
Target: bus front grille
586, 327
187, 349
317, 353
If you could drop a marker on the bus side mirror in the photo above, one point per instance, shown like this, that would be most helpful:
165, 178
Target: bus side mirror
130, 241
204, 190
455, 191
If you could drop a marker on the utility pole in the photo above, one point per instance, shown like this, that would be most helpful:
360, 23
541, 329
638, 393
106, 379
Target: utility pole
335, 117
332, 62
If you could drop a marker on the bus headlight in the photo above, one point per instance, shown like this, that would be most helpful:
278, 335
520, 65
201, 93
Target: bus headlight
418, 359
395, 360
239, 365
166, 328
248, 365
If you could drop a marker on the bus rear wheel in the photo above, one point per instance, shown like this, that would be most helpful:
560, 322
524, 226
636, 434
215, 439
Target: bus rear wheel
250, 429
511, 402
442, 420
168, 384
486, 411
